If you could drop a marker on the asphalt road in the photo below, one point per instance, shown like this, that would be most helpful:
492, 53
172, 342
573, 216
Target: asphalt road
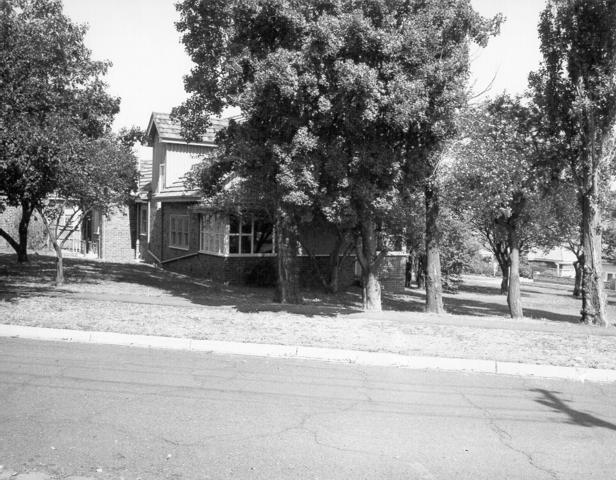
112, 412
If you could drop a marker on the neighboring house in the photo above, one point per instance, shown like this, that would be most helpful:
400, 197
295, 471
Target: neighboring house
558, 262
110, 237
177, 230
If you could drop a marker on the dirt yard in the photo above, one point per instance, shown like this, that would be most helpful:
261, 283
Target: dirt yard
137, 298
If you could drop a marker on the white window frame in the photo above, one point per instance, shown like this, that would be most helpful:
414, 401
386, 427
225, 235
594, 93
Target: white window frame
162, 177
143, 218
213, 241
179, 232
240, 234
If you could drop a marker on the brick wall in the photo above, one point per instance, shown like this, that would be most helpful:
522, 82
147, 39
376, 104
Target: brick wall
9, 222
200, 266
116, 239
393, 273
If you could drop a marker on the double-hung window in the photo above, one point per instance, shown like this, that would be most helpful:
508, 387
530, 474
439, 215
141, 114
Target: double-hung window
178, 231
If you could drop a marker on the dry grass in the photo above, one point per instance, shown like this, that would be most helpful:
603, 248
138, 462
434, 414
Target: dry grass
136, 298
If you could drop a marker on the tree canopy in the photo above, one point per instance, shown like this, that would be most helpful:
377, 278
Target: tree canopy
53, 98
497, 182
339, 97
574, 88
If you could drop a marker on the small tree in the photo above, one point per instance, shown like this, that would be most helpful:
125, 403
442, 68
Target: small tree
51, 92
97, 177
575, 87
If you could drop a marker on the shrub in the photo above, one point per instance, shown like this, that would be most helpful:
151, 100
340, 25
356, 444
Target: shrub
263, 274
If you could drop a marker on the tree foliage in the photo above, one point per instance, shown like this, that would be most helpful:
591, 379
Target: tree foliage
53, 98
339, 97
497, 184
575, 87
97, 177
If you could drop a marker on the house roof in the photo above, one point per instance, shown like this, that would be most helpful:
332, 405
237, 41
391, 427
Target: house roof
169, 130
145, 172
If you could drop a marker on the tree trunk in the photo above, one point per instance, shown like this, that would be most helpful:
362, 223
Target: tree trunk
11, 241
434, 289
420, 271
26, 215
287, 287
593, 304
336, 258
334, 278
57, 248
503, 257
504, 289
369, 262
371, 292
59, 264
513, 294
578, 266
21, 244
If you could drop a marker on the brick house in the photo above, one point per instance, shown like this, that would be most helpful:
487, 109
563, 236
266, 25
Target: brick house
177, 231
114, 237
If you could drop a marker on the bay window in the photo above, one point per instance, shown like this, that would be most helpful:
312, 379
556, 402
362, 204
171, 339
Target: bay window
246, 234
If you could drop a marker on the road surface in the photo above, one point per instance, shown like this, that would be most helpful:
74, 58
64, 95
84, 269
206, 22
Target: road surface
105, 412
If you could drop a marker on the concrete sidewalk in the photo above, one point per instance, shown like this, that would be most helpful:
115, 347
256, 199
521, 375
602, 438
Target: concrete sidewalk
313, 353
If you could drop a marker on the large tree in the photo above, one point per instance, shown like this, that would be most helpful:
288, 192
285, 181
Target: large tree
339, 97
495, 182
575, 88
52, 96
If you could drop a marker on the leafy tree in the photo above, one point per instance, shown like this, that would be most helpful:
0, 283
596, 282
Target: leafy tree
97, 177
339, 96
575, 88
52, 96
495, 181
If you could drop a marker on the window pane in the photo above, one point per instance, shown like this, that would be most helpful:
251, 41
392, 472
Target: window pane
234, 224
247, 224
246, 247
234, 246
263, 237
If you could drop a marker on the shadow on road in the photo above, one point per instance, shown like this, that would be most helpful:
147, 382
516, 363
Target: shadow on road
575, 417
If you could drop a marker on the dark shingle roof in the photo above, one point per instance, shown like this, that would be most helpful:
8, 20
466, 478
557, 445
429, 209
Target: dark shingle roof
170, 131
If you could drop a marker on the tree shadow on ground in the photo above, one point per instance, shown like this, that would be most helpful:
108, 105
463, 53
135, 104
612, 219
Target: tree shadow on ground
574, 417
414, 301
36, 278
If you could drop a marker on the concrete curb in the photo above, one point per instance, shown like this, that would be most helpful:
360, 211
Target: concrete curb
380, 359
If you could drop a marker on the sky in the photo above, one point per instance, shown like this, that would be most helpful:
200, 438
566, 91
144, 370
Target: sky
149, 61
